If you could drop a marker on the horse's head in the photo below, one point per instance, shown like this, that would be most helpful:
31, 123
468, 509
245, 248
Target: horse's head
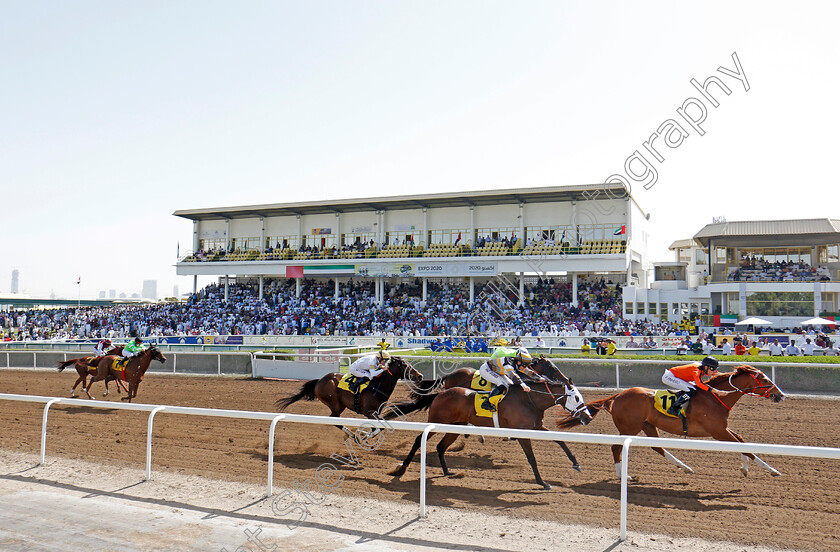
156, 354
545, 367
752, 381
405, 370
574, 404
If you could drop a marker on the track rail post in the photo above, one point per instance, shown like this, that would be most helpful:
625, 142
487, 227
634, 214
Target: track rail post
149, 441
44, 429
423, 441
625, 458
271, 453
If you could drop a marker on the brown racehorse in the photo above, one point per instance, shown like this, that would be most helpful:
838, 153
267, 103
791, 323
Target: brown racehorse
463, 377
633, 411
370, 400
86, 366
134, 371
518, 410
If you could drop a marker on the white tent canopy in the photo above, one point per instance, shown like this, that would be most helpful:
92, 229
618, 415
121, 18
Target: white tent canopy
753, 321
817, 322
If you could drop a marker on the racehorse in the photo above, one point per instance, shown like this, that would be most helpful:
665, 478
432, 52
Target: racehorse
633, 411
370, 399
463, 377
135, 368
86, 366
519, 410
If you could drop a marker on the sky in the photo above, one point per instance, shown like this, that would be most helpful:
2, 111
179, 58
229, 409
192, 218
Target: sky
113, 115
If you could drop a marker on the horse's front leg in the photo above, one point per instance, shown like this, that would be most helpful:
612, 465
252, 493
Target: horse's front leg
746, 457
529, 454
567, 450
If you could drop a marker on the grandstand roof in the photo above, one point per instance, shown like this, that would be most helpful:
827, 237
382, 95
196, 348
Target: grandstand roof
799, 231
449, 199
682, 244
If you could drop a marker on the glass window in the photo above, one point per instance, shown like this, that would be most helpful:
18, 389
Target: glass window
450, 236
833, 252
628, 308
282, 242
720, 255
640, 308
699, 257
663, 309
684, 255
780, 303
651, 308
733, 303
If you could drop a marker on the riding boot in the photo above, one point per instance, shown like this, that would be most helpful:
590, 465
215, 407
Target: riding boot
487, 405
354, 387
675, 408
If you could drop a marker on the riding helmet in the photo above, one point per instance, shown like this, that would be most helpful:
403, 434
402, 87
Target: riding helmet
383, 355
710, 362
523, 356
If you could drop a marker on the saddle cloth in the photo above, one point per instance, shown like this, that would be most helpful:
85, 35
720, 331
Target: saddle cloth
347, 379
119, 366
663, 399
480, 384
479, 400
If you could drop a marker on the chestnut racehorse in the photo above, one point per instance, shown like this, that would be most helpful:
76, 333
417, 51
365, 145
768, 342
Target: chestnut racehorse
134, 371
86, 366
633, 411
463, 377
519, 410
370, 400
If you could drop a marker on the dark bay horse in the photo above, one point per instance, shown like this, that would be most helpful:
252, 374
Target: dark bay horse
370, 400
519, 410
463, 377
633, 411
86, 366
134, 371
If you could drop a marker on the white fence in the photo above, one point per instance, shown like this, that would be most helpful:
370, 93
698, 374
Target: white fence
425, 429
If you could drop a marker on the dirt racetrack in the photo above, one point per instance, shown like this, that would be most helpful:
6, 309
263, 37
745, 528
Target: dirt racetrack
798, 510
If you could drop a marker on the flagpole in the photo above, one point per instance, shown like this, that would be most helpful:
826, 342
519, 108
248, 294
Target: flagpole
79, 289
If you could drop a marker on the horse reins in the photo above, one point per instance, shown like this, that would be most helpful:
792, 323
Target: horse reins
758, 385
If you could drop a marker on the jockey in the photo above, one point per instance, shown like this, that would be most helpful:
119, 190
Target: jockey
133, 348
102, 347
368, 367
687, 379
500, 370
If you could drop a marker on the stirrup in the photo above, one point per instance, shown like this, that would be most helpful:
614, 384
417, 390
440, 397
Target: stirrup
487, 405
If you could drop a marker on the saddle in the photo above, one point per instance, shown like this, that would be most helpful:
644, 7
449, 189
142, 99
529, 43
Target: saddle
349, 379
480, 384
479, 403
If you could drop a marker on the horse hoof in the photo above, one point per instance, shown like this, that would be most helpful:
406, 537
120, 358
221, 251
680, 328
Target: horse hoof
745, 472
546, 487
398, 472
687, 470
776, 473
576, 467
481, 439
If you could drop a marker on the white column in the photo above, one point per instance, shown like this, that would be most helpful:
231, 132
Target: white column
195, 284
472, 289
425, 283
226, 287
472, 229
261, 288
574, 289
338, 243
300, 231
425, 240
382, 226
574, 235
262, 236
297, 287
336, 288
196, 241
627, 218
227, 235
521, 288
522, 222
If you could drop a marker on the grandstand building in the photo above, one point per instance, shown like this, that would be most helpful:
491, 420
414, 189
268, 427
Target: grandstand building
571, 232
782, 271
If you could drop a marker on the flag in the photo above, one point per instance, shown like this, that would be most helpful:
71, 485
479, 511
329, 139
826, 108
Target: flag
620, 231
459, 238
178, 254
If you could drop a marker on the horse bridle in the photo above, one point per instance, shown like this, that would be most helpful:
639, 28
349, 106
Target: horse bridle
758, 385
557, 398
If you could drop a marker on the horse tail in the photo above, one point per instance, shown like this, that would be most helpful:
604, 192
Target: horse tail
418, 402
65, 364
594, 407
424, 388
307, 393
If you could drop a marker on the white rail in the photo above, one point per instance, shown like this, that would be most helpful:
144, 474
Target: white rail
626, 442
